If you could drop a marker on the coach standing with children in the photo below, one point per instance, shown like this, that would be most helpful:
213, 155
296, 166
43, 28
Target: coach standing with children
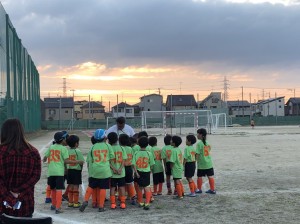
121, 128
20, 170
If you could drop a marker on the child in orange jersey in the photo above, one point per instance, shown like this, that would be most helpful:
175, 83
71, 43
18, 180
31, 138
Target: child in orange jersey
189, 163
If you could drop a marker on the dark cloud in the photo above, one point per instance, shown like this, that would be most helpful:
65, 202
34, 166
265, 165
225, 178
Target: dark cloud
158, 31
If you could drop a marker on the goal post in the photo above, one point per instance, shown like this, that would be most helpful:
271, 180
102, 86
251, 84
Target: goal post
180, 122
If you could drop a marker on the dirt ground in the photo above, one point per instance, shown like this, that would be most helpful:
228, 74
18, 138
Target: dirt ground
257, 175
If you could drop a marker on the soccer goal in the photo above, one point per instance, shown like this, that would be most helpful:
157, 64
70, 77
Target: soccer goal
180, 122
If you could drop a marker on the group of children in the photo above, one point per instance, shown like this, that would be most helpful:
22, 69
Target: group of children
124, 165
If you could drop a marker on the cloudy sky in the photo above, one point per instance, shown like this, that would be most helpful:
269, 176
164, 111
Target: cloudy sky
131, 48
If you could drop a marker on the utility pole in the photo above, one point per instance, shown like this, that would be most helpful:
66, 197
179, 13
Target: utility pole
243, 101
226, 84
64, 87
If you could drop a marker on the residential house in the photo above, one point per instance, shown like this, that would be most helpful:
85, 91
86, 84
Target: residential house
78, 110
93, 110
212, 101
152, 102
58, 108
123, 109
181, 102
269, 107
239, 108
293, 106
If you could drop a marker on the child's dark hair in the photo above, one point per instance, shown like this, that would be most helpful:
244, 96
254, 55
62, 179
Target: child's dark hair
132, 141
93, 140
112, 138
191, 138
176, 140
167, 139
202, 132
72, 140
152, 141
124, 140
143, 133
143, 142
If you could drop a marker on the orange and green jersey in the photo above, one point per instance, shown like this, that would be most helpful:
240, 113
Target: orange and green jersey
75, 155
143, 160
177, 159
56, 154
166, 152
128, 161
89, 162
204, 159
190, 154
158, 166
135, 148
100, 155
120, 156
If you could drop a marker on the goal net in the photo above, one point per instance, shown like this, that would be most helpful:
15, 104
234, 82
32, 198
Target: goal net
180, 122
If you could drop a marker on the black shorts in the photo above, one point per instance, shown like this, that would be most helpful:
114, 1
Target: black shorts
117, 182
189, 169
99, 183
56, 182
158, 178
128, 174
144, 180
74, 177
207, 172
168, 169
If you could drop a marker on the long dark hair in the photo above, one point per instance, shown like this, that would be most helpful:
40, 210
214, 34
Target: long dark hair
202, 132
12, 135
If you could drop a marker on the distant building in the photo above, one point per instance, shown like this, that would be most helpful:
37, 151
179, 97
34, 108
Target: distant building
181, 102
239, 108
152, 102
293, 106
213, 100
93, 110
59, 108
123, 109
269, 107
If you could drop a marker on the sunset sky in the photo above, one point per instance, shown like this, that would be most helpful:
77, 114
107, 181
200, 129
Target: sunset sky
132, 48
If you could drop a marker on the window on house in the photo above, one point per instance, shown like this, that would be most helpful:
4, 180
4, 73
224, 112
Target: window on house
279, 106
52, 112
148, 109
180, 99
128, 111
66, 111
279, 100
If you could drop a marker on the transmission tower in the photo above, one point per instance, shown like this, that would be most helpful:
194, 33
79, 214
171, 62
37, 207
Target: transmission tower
226, 87
64, 87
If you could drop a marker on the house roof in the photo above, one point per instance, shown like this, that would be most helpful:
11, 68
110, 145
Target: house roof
181, 100
92, 104
122, 105
212, 95
154, 94
269, 100
294, 100
57, 102
238, 103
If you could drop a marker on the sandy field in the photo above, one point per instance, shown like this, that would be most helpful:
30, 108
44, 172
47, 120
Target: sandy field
257, 175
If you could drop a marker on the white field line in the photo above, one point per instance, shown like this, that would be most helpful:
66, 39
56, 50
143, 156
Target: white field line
57, 219
45, 147
253, 192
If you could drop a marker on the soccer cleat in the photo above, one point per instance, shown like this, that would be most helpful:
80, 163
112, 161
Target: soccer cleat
83, 206
70, 205
192, 194
210, 192
122, 205
159, 193
101, 210
52, 207
151, 199
58, 211
141, 205
48, 200
133, 202
177, 197
154, 194
76, 205
169, 192
175, 192
198, 191
146, 207
113, 206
